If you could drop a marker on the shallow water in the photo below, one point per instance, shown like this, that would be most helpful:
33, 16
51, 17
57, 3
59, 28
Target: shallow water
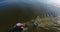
12, 11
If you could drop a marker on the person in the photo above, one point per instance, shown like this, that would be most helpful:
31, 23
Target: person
17, 28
